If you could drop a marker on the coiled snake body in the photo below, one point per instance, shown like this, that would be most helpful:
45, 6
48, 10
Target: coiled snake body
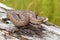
22, 18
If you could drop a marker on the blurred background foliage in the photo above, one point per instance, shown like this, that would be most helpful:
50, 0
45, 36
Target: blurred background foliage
46, 8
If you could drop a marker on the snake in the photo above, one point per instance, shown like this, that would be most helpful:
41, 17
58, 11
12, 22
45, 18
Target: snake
23, 17
18, 18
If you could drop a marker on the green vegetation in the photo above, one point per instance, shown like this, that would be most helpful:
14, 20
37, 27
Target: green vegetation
46, 8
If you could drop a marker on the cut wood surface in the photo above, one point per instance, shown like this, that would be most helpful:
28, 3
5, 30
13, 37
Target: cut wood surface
45, 31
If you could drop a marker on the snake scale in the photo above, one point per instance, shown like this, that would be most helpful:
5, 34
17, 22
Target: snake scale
23, 17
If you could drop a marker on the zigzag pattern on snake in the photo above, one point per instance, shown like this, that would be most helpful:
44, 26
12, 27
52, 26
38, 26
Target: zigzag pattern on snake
21, 18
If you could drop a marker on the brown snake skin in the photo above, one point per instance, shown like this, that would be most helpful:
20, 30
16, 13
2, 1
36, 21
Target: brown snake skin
18, 18
23, 17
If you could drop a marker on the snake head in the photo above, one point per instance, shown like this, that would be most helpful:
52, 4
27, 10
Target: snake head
42, 19
46, 19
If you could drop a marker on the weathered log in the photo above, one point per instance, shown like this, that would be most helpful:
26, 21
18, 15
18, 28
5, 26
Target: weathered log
10, 32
